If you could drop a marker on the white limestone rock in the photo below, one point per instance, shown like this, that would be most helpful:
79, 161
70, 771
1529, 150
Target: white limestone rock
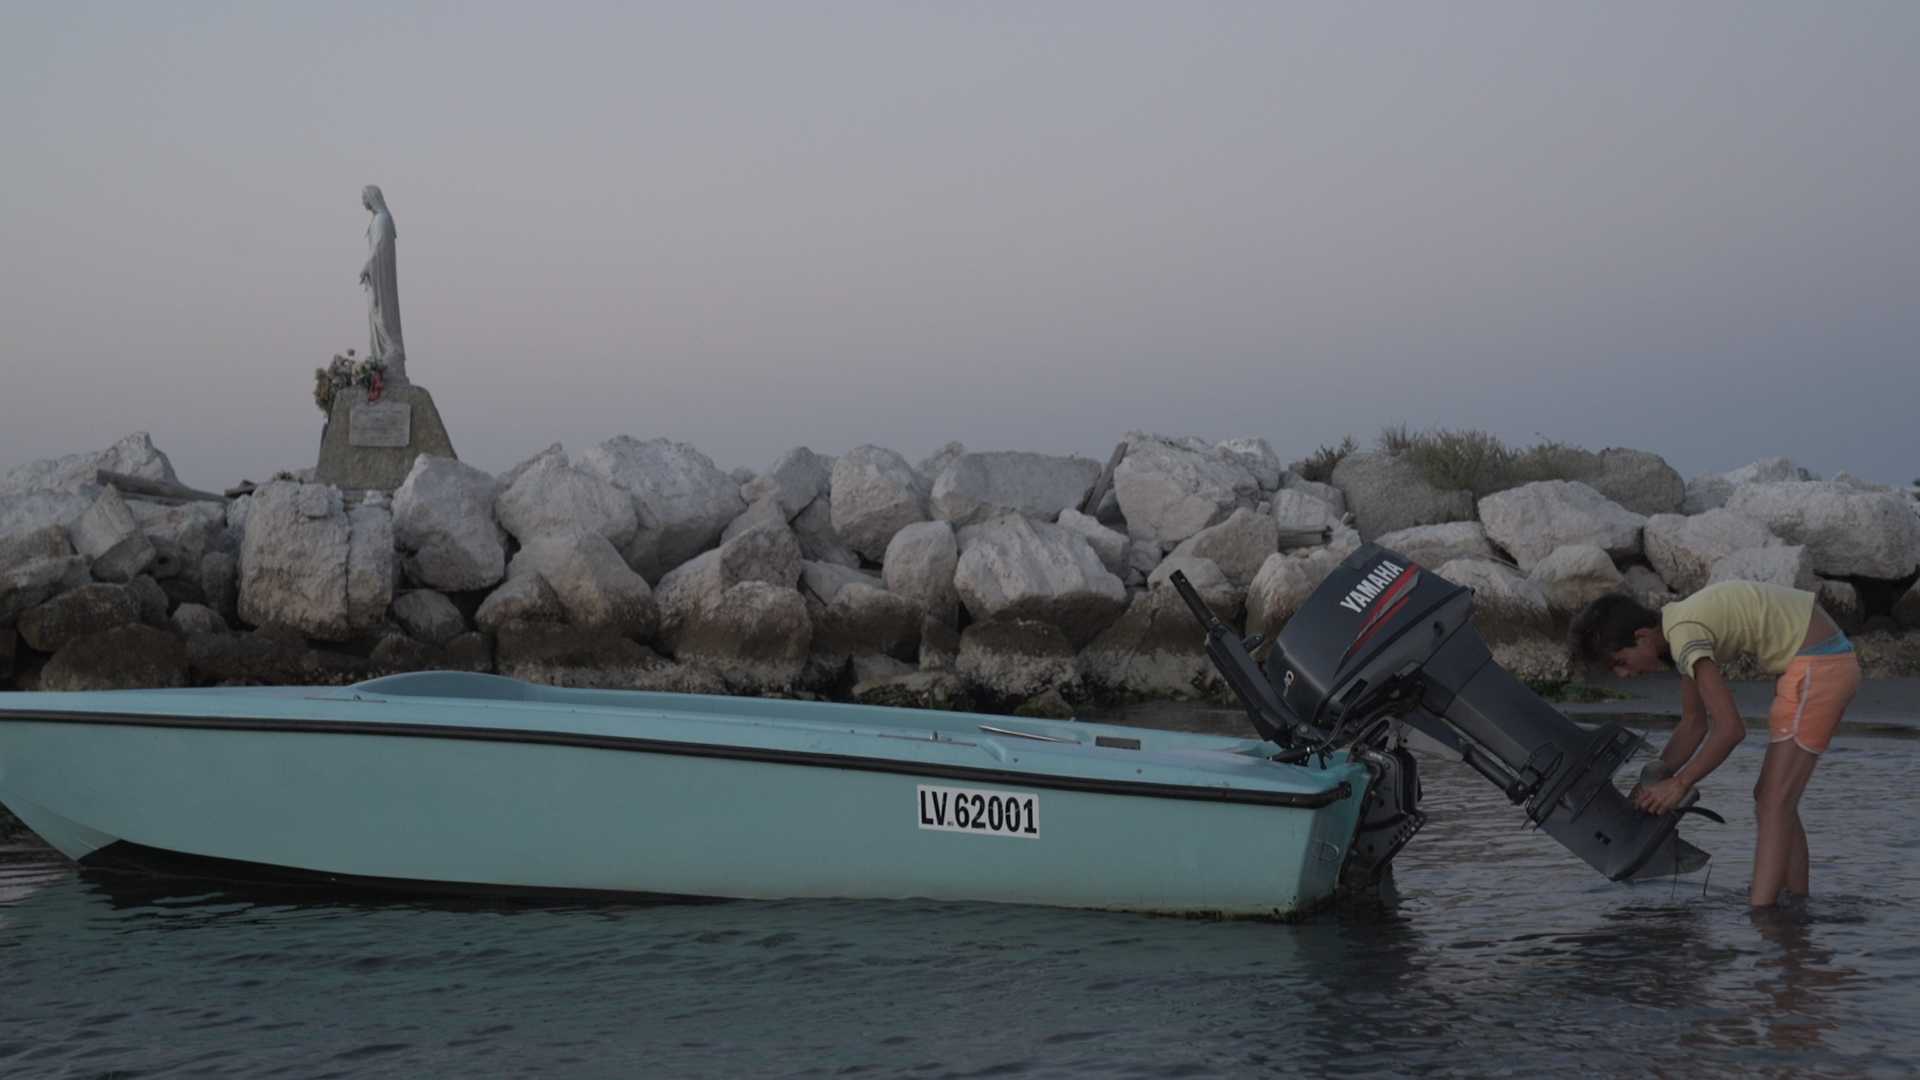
1710, 491
190, 619
795, 480
1326, 493
1573, 575
553, 450
1432, 545
919, 565
682, 499
522, 600
1170, 489
1014, 659
1238, 545
108, 535
153, 600
862, 620
296, 558
1297, 511
444, 525
755, 635
1536, 658
818, 540
1506, 605
1278, 592
824, 581
428, 616
763, 511
237, 513
1647, 587
1842, 601
33, 510
77, 613
180, 535
1684, 549
32, 581
48, 541
596, 588
134, 455
1016, 568
1155, 649
874, 668
875, 494
1790, 565
935, 463
1142, 557
548, 495
371, 573
1385, 494
1111, 546
1850, 533
1225, 596
125, 657
1639, 480
939, 645
975, 487
1256, 456
769, 555
1531, 520
220, 582
1847, 479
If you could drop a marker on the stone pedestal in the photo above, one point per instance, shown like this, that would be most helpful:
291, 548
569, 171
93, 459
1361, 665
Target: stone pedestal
373, 444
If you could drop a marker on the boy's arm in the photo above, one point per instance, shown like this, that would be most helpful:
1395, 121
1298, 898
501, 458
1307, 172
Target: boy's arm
1725, 729
1691, 729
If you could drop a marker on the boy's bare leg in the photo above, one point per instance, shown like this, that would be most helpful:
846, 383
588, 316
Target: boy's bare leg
1798, 868
1776, 803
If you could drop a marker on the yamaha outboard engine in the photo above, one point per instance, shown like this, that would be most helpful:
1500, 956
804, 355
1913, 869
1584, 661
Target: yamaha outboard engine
1383, 643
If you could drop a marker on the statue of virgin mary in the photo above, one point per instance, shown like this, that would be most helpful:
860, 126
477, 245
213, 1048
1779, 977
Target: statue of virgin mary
382, 283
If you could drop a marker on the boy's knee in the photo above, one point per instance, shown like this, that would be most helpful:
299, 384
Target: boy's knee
1770, 798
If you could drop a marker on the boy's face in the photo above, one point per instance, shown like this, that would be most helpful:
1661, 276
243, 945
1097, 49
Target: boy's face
1639, 658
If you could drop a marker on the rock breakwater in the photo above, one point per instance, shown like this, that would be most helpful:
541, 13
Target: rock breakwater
996, 580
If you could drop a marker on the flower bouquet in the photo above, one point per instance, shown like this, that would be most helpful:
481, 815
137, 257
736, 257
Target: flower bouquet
345, 371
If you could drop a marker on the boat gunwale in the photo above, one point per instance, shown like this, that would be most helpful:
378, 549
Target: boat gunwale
671, 747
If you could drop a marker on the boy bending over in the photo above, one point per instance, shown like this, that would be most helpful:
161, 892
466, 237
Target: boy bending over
1788, 633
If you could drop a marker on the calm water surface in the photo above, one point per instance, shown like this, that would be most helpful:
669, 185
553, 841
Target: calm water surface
1499, 955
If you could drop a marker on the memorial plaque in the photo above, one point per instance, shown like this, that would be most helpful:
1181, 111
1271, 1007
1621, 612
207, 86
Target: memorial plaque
380, 423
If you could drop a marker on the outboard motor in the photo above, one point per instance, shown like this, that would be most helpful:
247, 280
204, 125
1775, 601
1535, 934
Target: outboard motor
1384, 643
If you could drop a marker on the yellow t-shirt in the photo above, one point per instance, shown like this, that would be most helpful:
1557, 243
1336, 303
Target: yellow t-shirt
1732, 618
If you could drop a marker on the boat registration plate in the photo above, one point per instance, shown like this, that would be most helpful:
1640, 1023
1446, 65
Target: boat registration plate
972, 810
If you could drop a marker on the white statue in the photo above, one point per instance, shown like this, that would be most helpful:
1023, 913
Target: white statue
382, 283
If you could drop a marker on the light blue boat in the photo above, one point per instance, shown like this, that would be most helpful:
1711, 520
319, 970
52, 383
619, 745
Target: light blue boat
475, 783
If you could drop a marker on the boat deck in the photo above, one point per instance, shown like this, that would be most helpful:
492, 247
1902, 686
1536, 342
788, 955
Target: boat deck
492, 708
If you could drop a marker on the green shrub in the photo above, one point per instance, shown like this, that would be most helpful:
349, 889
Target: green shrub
1552, 460
1476, 461
1397, 438
1319, 465
1462, 461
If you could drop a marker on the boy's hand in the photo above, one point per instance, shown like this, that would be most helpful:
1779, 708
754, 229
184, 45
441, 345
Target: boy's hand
1661, 797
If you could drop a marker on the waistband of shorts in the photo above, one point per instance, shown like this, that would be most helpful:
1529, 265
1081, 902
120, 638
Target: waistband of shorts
1836, 645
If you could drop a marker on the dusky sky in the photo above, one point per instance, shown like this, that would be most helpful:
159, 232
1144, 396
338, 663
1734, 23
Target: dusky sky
1689, 228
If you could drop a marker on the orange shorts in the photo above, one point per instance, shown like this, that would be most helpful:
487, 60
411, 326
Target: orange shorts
1809, 698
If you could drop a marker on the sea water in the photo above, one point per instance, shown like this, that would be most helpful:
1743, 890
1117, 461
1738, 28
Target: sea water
1496, 953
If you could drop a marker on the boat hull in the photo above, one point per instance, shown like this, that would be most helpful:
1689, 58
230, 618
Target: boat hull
482, 809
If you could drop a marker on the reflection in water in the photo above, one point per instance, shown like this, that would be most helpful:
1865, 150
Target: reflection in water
1494, 951
1798, 976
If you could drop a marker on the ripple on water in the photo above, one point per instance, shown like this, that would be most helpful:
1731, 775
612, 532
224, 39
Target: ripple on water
1495, 951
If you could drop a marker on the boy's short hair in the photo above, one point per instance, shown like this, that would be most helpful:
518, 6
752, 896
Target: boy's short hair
1606, 626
